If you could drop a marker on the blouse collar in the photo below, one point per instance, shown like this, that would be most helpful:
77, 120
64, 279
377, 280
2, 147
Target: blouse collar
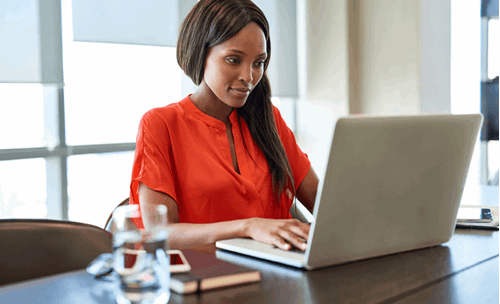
188, 104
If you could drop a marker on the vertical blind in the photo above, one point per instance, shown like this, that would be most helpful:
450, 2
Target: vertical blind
147, 22
30, 41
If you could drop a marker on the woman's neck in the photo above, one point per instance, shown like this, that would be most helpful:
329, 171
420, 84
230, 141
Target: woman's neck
207, 102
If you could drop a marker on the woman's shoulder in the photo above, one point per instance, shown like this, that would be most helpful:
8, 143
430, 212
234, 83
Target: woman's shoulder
278, 118
168, 113
276, 111
277, 114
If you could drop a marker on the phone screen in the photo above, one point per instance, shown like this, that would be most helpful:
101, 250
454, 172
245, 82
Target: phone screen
175, 259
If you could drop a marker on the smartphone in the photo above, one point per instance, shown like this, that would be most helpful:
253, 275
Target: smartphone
474, 214
178, 262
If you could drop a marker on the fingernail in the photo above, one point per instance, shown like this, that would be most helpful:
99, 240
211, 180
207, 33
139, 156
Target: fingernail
304, 246
287, 247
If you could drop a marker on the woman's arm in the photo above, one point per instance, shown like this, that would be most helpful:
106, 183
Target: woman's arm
280, 233
308, 188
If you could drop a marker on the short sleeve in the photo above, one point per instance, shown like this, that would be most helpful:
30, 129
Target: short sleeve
299, 162
153, 162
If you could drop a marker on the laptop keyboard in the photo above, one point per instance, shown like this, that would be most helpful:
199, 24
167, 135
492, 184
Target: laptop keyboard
294, 249
294, 256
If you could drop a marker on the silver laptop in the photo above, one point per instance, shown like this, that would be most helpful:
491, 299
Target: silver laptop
392, 184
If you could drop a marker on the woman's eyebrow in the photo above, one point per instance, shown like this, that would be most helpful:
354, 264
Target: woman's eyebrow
238, 51
243, 53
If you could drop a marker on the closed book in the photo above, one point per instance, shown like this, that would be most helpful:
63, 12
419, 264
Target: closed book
208, 272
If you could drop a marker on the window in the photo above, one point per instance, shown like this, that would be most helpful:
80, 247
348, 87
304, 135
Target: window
66, 151
108, 87
96, 184
493, 71
466, 76
21, 116
493, 48
23, 190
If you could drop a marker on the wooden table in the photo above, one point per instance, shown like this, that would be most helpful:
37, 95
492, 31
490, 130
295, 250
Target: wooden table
464, 270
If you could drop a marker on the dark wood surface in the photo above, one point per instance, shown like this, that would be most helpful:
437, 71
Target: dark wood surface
370, 281
464, 270
460, 271
478, 284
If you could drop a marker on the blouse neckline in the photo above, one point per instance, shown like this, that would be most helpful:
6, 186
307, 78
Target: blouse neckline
188, 104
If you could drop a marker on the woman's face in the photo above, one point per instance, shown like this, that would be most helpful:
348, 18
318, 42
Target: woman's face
234, 67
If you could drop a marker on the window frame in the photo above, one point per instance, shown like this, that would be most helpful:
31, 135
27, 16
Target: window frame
57, 152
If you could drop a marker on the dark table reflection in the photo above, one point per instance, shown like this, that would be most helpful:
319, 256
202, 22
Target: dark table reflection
388, 279
363, 281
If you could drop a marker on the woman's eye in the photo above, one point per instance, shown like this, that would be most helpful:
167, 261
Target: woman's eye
260, 63
232, 60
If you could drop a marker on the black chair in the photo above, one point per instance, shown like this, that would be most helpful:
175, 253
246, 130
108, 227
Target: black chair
489, 108
33, 248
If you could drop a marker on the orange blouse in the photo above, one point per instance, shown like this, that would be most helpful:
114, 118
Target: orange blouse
185, 153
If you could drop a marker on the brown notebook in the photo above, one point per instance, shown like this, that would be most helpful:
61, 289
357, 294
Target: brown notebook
208, 272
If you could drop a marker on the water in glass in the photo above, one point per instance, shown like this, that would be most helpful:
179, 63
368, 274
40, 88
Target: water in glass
140, 261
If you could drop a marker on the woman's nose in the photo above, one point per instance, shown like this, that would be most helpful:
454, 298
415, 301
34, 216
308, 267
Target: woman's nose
246, 74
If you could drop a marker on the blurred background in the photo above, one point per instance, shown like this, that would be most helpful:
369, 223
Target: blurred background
77, 76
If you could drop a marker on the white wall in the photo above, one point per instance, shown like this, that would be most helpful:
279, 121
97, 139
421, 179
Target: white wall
387, 58
381, 57
323, 75
403, 56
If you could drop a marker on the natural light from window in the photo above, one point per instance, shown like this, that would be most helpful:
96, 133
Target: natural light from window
108, 87
493, 48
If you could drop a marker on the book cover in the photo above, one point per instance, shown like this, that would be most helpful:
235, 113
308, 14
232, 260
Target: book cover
208, 272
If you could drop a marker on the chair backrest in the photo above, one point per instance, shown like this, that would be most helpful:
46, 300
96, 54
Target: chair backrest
107, 226
33, 248
489, 109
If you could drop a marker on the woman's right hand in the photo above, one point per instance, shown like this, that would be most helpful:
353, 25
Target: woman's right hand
280, 233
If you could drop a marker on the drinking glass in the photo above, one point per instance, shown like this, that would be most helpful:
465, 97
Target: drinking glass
140, 257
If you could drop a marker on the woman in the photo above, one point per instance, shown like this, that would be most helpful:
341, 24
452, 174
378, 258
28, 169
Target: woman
223, 160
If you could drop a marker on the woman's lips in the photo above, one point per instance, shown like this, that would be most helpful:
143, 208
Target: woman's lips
242, 92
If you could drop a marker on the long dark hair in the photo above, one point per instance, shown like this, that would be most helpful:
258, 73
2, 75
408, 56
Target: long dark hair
210, 23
